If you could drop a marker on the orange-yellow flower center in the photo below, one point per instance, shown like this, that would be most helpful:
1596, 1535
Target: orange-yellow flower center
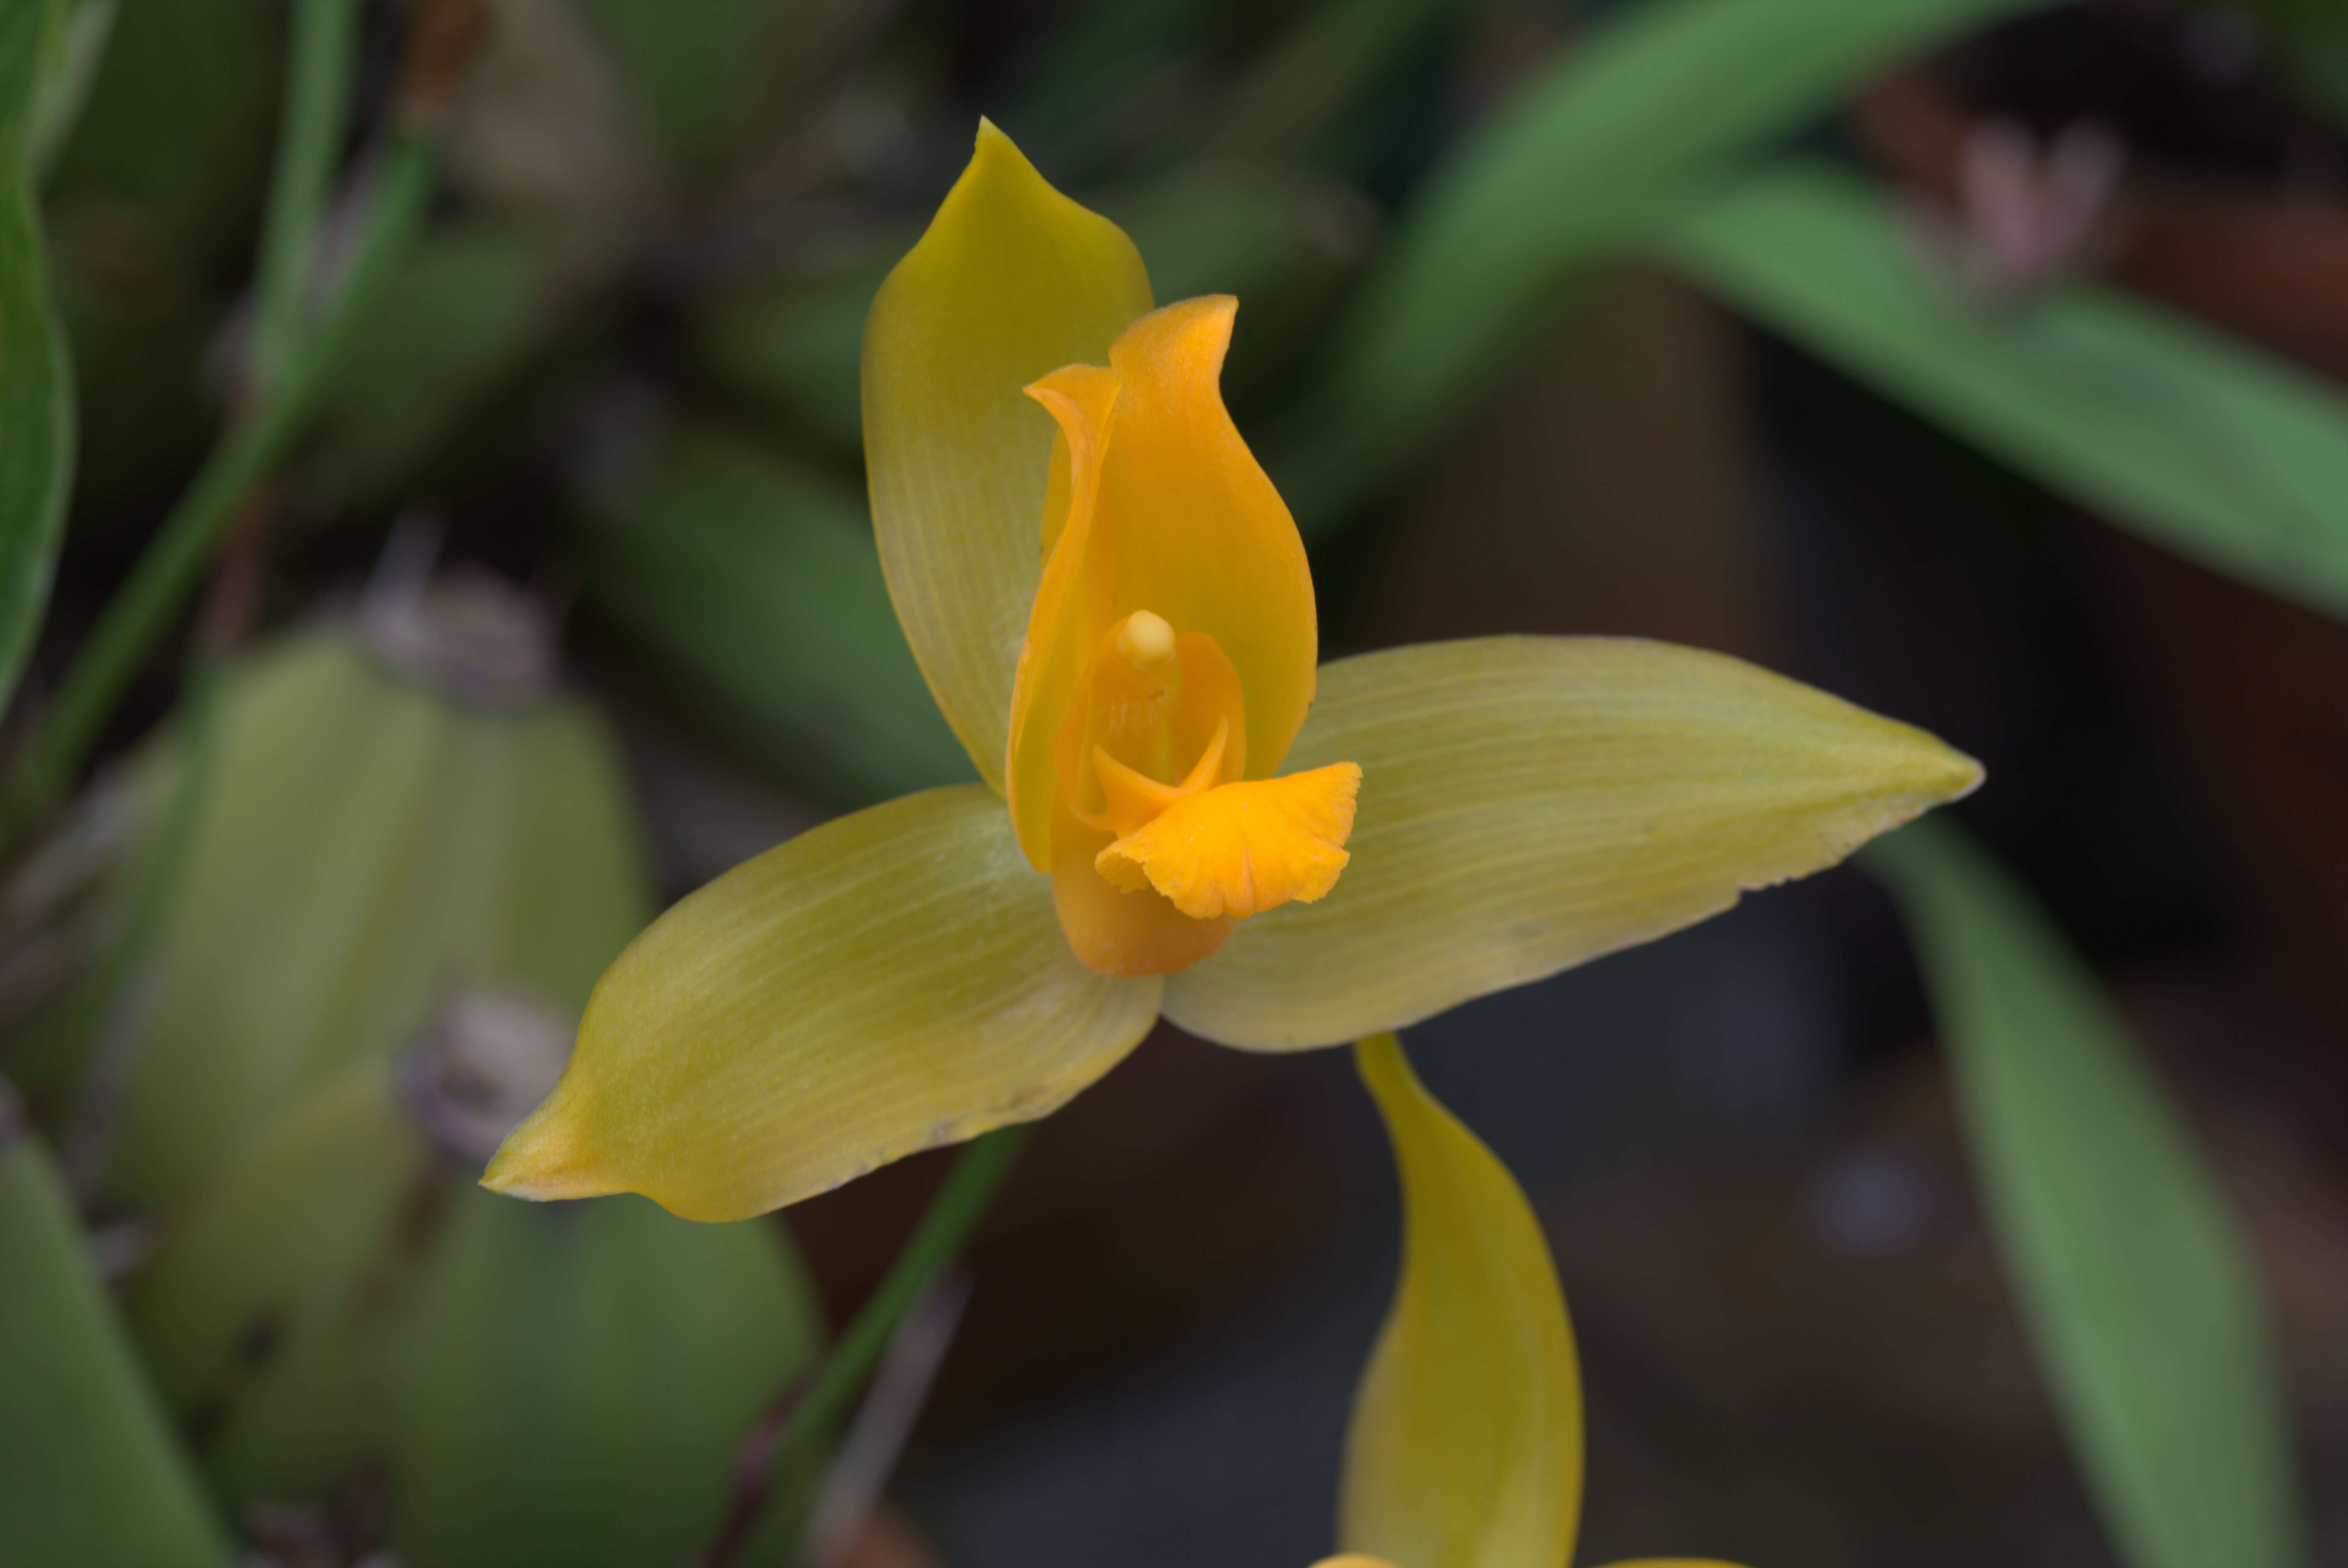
1151, 775
1170, 652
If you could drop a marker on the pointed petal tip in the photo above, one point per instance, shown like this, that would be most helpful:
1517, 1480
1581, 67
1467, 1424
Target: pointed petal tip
1934, 774
993, 153
1965, 775
543, 1161
1194, 333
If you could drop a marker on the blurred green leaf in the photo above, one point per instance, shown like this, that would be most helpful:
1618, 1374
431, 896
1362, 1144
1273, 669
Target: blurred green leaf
757, 582
89, 1473
364, 841
544, 1383
460, 323
152, 205
2199, 442
77, 35
2137, 1290
35, 406
180, 126
577, 1379
1598, 147
267, 1309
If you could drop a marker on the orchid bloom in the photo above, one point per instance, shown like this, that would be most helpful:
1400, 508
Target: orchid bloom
1168, 819
1464, 1449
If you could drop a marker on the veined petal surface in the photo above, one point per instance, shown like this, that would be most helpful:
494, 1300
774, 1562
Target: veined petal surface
1011, 282
885, 984
1464, 1449
1528, 803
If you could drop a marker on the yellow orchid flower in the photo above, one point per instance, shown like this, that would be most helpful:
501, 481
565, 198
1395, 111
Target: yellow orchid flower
1131, 687
1464, 1449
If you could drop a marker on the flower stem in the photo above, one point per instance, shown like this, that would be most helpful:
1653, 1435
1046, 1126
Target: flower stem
815, 1413
935, 1243
317, 102
167, 571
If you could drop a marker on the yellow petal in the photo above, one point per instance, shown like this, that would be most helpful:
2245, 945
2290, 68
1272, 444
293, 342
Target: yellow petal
1532, 802
1243, 848
1157, 507
1464, 1449
1198, 534
1072, 605
886, 983
1121, 930
1012, 281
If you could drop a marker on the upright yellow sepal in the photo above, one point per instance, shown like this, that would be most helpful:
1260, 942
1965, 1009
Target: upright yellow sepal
1011, 282
1464, 1449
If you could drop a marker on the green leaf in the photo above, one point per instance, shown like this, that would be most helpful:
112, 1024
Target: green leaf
576, 1381
78, 37
887, 982
89, 1473
35, 398
264, 1313
755, 579
366, 842
1530, 803
1595, 150
2196, 440
558, 1383
2135, 1285
153, 203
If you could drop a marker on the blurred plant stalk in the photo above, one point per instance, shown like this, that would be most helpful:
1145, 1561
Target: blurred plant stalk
292, 358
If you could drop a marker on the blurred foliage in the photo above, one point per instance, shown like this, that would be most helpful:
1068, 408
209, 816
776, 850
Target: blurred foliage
734, 563
458, 329
152, 203
2308, 39
2137, 1289
88, 1471
1600, 146
367, 819
35, 421
367, 842
536, 1382
2211, 448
